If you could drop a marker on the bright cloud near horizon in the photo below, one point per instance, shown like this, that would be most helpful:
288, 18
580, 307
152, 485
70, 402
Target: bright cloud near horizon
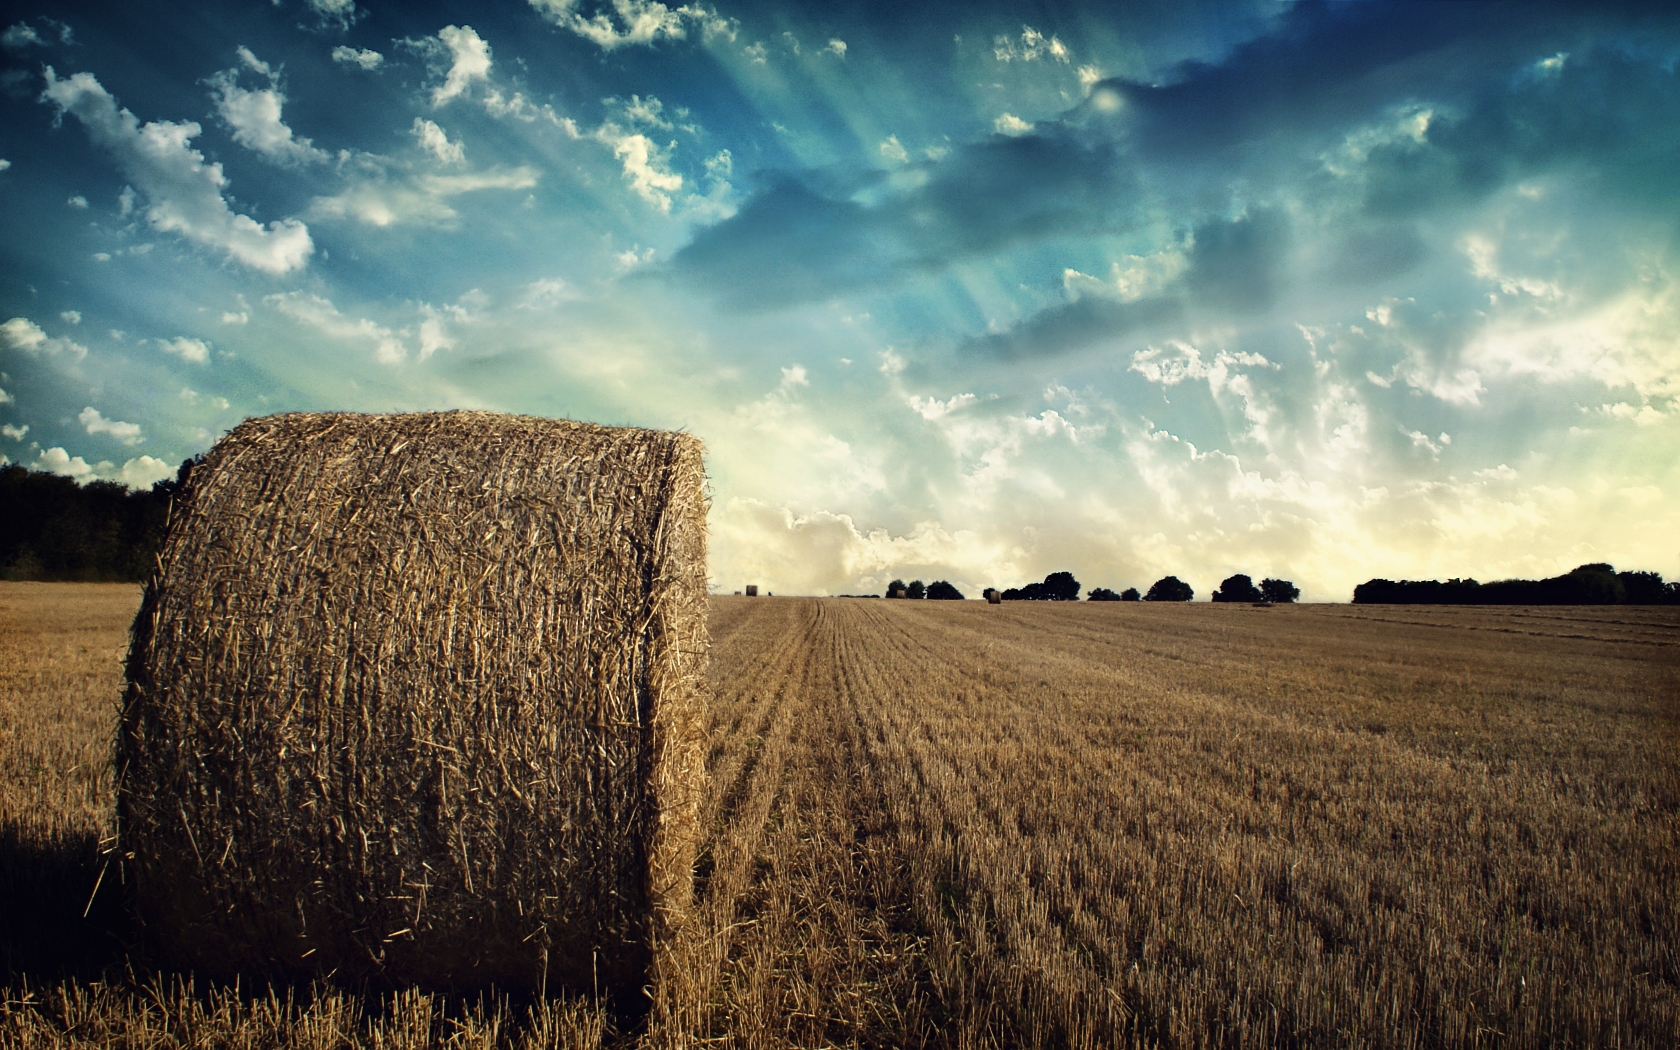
972, 292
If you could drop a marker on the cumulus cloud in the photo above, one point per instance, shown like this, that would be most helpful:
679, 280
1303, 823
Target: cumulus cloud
647, 167
1010, 124
195, 350
70, 316
16, 433
6, 399
460, 55
361, 58
340, 14
636, 21
254, 116
184, 192
94, 423
143, 472
434, 141
57, 461
22, 334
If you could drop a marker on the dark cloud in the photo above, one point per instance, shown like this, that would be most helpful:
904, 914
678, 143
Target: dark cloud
1236, 265
1374, 253
1083, 322
1615, 111
797, 241
1328, 63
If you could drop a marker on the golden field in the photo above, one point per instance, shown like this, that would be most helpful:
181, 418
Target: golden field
1036, 824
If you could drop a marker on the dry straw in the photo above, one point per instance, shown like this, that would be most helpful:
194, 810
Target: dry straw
421, 699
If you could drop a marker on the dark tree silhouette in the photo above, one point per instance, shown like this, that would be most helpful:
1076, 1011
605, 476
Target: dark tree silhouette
1057, 587
1593, 584
54, 529
1238, 588
1102, 594
1169, 589
915, 590
1279, 592
1130, 594
895, 589
941, 591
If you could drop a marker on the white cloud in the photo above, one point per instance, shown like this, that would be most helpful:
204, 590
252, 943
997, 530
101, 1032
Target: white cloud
636, 21
6, 399
520, 108
78, 202
16, 433
469, 60
232, 317
1179, 361
254, 117
185, 193
893, 151
94, 423
795, 376
144, 472
324, 317
1010, 124
380, 201
340, 13
21, 35
58, 461
363, 58
545, 293
70, 316
836, 47
1031, 47
434, 141
195, 350
646, 166
4, 164
20, 333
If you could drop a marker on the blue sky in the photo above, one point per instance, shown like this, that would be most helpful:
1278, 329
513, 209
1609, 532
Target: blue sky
966, 291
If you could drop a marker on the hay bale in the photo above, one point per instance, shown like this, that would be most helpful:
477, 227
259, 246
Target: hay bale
993, 596
752, 590
420, 699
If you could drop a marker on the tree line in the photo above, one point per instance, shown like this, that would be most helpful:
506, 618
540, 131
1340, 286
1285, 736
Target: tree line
52, 528
1597, 583
1062, 587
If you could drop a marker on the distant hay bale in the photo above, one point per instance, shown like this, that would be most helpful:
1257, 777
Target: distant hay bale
752, 590
993, 596
420, 699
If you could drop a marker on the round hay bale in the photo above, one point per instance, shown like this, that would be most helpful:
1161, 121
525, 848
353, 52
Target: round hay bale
420, 699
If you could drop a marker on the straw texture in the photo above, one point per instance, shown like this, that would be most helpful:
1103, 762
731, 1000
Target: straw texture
420, 699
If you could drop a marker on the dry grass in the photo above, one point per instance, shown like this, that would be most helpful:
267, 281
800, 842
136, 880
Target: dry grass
948, 824
419, 699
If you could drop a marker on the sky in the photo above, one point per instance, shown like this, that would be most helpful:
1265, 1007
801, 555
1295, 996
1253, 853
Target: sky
968, 291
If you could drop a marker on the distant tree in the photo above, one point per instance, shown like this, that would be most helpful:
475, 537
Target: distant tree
1130, 594
1279, 592
1102, 594
1061, 587
895, 589
915, 590
1169, 589
1643, 588
941, 591
1057, 587
51, 528
1238, 588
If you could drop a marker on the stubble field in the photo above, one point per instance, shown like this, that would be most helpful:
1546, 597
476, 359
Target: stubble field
1037, 824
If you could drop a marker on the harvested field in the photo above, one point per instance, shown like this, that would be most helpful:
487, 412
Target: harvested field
1036, 824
